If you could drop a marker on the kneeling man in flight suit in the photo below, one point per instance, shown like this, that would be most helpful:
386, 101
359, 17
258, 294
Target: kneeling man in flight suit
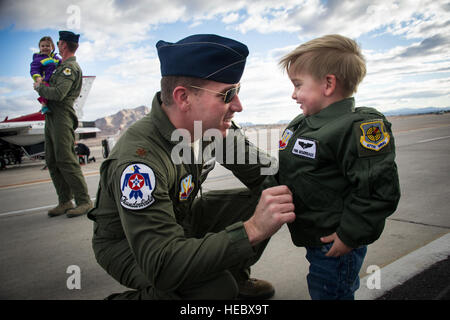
154, 232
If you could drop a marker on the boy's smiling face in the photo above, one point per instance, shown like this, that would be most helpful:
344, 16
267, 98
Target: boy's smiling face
308, 92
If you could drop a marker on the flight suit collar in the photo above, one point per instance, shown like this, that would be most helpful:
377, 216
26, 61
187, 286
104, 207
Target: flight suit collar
331, 112
70, 59
160, 119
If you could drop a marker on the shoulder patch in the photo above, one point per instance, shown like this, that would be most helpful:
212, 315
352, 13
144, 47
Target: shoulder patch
67, 71
287, 134
372, 137
186, 187
137, 184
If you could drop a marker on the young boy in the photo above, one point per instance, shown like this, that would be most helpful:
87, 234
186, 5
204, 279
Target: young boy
338, 161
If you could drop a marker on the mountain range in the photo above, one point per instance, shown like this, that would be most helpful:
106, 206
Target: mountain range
120, 121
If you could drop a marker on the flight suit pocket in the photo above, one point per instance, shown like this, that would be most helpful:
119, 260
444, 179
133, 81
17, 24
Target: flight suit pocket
316, 196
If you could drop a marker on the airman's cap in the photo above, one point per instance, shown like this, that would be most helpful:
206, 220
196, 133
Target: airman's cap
204, 56
68, 36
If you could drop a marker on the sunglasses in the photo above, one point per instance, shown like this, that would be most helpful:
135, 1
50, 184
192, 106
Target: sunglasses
227, 96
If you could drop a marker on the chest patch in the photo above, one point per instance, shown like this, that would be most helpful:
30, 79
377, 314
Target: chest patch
305, 148
186, 187
287, 134
374, 137
137, 184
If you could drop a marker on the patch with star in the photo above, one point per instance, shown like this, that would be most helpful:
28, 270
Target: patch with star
67, 71
137, 184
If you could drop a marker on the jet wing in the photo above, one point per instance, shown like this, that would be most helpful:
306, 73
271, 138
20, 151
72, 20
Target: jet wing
87, 130
9, 129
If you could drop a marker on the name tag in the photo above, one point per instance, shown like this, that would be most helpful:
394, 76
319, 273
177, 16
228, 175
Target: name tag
305, 148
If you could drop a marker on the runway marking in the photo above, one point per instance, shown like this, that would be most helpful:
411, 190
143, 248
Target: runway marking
421, 223
433, 139
406, 267
30, 210
25, 211
29, 183
420, 129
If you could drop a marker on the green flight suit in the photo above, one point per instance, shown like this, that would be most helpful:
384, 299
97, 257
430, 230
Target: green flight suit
60, 125
151, 232
340, 166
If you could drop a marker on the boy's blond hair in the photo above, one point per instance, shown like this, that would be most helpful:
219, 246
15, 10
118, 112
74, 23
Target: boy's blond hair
330, 54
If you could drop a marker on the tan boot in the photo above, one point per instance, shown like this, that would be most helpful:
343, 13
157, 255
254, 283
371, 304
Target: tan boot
254, 289
79, 210
60, 209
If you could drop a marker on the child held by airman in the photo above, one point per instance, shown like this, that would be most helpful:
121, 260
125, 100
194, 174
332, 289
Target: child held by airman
43, 64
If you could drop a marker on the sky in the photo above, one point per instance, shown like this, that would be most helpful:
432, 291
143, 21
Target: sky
406, 44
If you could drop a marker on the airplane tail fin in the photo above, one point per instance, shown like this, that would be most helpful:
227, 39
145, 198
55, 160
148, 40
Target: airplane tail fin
81, 100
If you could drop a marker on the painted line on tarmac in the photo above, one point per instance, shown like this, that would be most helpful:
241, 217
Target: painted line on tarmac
405, 268
30, 183
31, 210
433, 139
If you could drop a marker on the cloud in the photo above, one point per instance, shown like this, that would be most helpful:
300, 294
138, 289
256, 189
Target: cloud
230, 18
119, 35
17, 97
434, 44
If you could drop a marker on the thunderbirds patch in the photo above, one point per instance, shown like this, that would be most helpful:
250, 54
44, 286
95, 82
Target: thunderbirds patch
374, 137
287, 134
137, 185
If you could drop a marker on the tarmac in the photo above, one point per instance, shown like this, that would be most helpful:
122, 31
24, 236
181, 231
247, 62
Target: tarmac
410, 261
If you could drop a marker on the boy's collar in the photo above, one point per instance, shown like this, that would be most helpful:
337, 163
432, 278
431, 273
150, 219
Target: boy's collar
331, 112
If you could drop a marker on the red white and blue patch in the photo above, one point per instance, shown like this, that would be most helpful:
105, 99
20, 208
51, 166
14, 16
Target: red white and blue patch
186, 187
287, 134
137, 184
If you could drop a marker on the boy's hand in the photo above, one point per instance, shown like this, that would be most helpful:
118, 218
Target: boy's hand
338, 249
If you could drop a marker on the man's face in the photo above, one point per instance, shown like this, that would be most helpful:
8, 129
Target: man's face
210, 108
61, 46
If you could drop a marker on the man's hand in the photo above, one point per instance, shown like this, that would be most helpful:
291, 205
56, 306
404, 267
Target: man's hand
274, 209
338, 248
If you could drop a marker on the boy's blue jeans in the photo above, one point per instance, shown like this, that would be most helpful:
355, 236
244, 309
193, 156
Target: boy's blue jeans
333, 278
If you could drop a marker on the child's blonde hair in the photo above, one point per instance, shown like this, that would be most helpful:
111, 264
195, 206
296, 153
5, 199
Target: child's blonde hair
330, 54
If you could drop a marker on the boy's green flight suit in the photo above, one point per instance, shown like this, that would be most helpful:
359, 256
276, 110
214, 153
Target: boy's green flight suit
60, 125
340, 166
151, 232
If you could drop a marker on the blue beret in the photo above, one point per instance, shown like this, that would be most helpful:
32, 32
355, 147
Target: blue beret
68, 36
204, 56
